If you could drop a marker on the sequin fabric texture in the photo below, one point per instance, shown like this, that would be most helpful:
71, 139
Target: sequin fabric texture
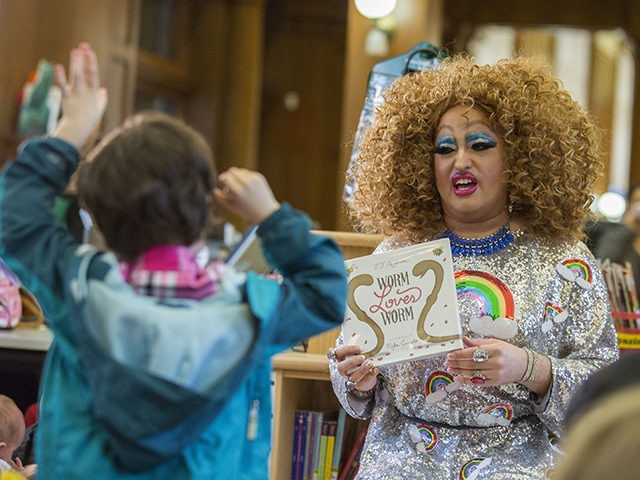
547, 296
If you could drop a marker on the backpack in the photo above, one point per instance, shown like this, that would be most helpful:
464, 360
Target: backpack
17, 304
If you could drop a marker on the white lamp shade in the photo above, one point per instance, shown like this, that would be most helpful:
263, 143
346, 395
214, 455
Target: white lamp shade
612, 205
375, 8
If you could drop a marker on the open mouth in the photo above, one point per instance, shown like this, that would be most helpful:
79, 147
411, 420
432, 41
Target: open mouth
464, 184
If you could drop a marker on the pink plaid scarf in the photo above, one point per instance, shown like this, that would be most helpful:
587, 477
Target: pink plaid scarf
171, 271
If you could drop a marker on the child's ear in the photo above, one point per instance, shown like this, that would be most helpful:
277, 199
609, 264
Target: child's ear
3, 444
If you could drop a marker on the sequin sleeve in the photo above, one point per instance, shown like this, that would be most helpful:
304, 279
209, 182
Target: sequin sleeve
355, 408
589, 343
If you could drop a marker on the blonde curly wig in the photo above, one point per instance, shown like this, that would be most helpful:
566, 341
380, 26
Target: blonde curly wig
552, 145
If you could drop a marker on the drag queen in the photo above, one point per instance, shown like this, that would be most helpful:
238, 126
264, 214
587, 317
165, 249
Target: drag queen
501, 161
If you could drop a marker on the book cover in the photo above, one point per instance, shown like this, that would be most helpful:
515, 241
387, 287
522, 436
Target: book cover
402, 304
337, 448
331, 440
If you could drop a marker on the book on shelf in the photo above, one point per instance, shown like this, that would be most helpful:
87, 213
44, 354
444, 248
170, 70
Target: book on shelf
402, 304
307, 466
299, 439
338, 445
319, 460
352, 462
323, 449
317, 436
331, 440
318, 444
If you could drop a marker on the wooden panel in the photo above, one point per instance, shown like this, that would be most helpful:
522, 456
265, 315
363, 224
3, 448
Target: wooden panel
301, 100
18, 50
602, 93
242, 89
536, 42
35, 29
587, 13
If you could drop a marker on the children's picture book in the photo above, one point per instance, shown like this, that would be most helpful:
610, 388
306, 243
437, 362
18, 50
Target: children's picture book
402, 304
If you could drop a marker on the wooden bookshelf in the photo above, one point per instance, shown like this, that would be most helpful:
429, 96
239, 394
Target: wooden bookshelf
301, 379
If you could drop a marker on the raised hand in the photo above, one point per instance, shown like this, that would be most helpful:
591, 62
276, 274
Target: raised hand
83, 99
246, 193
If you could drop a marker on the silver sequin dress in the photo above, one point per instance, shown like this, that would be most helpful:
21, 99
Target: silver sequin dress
425, 425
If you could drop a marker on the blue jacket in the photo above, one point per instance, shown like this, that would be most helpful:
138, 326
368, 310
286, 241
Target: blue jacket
134, 387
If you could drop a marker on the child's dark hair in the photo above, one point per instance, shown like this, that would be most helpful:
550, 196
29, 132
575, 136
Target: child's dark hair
150, 183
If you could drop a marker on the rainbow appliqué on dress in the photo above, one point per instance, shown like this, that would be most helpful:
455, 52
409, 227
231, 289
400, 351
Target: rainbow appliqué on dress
472, 468
428, 435
576, 270
438, 385
494, 301
552, 315
497, 414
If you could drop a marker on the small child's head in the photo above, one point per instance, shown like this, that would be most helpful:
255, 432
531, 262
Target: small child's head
149, 183
12, 427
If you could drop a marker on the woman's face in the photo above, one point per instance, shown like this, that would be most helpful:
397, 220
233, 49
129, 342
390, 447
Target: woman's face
470, 165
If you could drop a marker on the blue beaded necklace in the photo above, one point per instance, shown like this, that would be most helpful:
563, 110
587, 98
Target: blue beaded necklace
480, 246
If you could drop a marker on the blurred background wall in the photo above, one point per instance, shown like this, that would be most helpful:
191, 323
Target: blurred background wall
278, 85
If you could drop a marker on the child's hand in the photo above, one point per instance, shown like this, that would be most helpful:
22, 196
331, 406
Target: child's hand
246, 193
83, 100
28, 471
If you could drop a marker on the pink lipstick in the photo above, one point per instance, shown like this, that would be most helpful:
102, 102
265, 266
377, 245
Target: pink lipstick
464, 184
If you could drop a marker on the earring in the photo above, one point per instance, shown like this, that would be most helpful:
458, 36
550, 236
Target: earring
510, 207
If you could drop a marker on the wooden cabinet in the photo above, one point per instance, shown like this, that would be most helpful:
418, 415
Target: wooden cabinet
301, 379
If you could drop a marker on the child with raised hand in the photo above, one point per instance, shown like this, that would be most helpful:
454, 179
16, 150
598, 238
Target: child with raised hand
159, 368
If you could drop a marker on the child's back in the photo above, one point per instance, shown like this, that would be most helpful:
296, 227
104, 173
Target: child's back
174, 382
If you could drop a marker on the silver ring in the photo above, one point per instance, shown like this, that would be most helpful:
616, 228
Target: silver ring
331, 354
351, 385
480, 355
478, 377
